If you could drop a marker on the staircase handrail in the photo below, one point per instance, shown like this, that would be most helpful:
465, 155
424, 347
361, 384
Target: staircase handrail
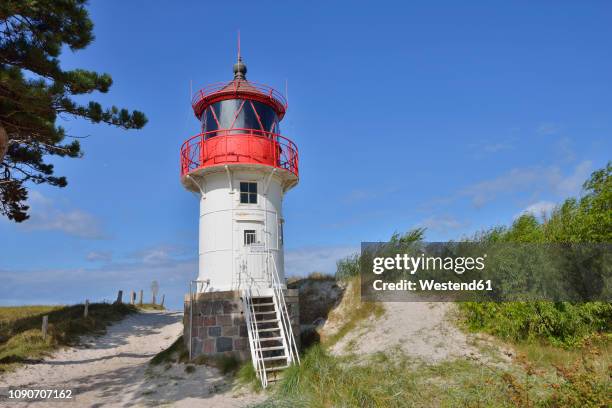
255, 343
285, 319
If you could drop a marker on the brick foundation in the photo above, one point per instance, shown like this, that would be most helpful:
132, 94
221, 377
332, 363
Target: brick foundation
219, 327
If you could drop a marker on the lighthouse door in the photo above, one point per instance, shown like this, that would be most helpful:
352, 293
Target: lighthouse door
251, 256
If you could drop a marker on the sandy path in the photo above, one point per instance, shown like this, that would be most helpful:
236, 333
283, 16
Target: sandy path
113, 371
422, 330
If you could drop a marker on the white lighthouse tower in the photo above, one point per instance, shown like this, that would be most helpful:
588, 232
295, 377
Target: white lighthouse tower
241, 167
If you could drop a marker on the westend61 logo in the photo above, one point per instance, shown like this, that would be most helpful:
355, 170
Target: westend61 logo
411, 264
484, 271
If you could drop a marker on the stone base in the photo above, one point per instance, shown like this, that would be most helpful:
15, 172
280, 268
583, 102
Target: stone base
217, 326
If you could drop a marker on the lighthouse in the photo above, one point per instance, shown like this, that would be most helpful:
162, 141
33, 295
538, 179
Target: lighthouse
241, 167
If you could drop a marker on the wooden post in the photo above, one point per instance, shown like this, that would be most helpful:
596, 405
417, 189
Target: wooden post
132, 297
153, 299
119, 297
140, 301
163, 299
45, 325
86, 311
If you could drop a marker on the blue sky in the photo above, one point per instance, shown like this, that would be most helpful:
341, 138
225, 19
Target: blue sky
451, 116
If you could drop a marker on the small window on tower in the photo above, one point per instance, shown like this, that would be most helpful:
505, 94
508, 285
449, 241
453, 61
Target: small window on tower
281, 234
249, 237
248, 193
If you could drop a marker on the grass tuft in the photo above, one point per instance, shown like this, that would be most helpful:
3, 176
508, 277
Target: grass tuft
176, 353
392, 380
150, 306
247, 376
351, 312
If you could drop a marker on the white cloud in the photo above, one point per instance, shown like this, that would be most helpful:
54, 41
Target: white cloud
572, 184
98, 283
102, 281
45, 215
102, 256
302, 261
159, 254
442, 223
156, 255
534, 180
538, 209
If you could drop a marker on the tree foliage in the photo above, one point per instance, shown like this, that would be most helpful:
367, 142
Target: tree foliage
584, 220
35, 91
588, 219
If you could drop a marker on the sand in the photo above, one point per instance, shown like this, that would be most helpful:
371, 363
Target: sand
420, 330
113, 371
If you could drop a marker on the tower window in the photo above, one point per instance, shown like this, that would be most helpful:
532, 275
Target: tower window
248, 192
249, 237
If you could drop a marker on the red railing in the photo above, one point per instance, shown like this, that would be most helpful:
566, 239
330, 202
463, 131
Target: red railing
211, 93
230, 146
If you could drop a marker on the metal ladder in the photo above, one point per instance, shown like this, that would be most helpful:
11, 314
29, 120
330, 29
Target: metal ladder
271, 340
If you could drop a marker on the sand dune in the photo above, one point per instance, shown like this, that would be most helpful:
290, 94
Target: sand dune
113, 371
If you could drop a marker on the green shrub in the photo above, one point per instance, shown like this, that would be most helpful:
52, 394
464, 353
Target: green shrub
589, 220
581, 386
585, 383
561, 323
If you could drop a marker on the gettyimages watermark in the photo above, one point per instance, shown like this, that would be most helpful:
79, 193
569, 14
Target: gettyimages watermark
485, 272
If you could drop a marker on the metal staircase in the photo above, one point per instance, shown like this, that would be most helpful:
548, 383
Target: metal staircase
271, 339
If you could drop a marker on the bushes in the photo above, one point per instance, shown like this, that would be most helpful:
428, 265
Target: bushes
587, 220
583, 383
581, 386
561, 324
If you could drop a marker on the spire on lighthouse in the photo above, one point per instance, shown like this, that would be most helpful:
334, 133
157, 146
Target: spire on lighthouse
240, 68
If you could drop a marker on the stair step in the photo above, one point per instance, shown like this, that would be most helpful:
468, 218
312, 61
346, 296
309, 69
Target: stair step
263, 304
270, 348
274, 358
271, 311
276, 368
269, 329
266, 321
270, 338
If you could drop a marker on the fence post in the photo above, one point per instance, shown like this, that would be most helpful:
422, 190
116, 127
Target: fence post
86, 311
163, 299
153, 299
45, 325
119, 297
132, 297
140, 301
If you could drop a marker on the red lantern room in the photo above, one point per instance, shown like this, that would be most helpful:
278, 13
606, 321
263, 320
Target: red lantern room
240, 123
